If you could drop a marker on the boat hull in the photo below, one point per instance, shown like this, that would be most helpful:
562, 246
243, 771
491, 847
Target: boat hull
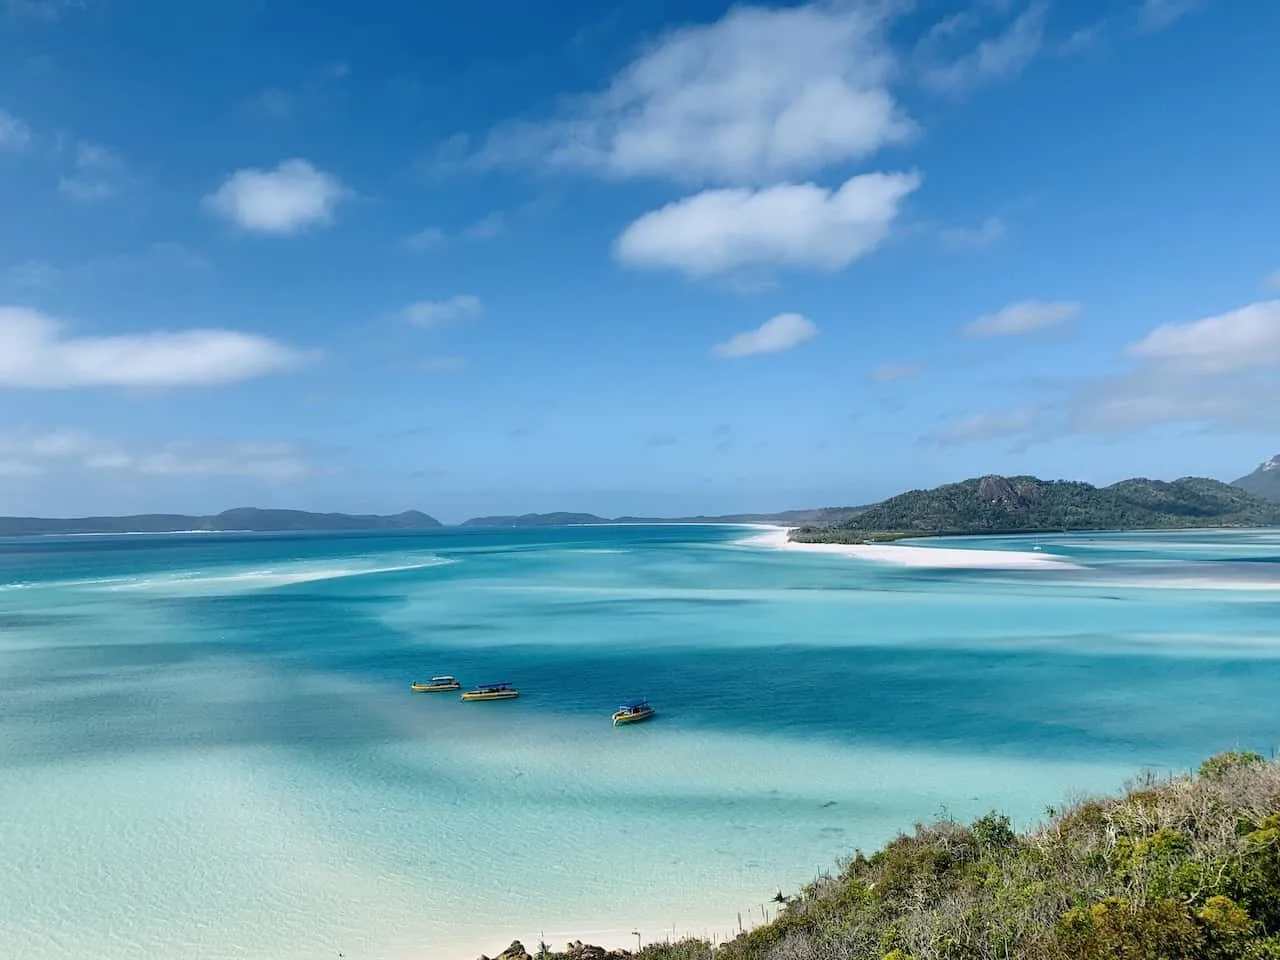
434, 687
623, 719
499, 695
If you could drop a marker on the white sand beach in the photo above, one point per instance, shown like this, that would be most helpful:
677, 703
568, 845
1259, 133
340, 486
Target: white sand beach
910, 555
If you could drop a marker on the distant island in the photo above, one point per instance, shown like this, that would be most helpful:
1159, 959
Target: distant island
249, 519
995, 504
784, 518
1184, 868
992, 504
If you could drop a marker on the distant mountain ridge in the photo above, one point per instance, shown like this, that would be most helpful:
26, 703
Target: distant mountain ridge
786, 517
1264, 481
242, 518
995, 504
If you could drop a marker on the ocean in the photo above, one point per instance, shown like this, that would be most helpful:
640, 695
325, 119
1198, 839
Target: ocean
209, 749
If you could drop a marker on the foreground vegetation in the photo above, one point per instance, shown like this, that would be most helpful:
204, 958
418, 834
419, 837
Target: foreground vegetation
1029, 505
1186, 868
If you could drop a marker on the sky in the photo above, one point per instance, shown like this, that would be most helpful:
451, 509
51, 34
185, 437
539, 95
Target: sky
646, 258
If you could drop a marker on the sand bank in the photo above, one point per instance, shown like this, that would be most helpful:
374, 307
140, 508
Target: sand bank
910, 555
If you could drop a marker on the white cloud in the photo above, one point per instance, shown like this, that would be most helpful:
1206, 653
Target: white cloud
98, 174
1238, 340
1158, 14
36, 353
895, 371
995, 58
760, 94
775, 335
1026, 316
433, 313
14, 134
796, 225
63, 450
979, 427
973, 238
287, 200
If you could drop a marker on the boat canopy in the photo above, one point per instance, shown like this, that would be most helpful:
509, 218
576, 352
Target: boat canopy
493, 686
634, 705
445, 679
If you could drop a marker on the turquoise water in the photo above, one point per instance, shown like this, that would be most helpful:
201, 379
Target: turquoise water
208, 747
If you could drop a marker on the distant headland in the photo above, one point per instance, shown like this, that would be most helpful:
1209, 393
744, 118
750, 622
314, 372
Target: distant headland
981, 505
240, 519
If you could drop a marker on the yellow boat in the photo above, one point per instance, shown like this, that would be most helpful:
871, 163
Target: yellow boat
634, 712
492, 691
435, 685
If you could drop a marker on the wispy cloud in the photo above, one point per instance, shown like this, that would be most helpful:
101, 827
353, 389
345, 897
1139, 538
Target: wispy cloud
97, 175
36, 353
14, 133
434, 313
981, 427
46, 10
168, 256
68, 450
1155, 15
761, 94
661, 440
1003, 55
787, 225
964, 239
293, 197
783, 332
1020, 318
426, 240
896, 371
1272, 280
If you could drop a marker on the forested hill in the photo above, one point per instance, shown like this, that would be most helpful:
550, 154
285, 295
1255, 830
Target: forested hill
996, 504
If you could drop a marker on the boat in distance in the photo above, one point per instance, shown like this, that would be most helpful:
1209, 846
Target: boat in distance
492, 691
435, 685
634, 712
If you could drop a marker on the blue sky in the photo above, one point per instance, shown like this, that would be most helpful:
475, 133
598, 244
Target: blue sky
514, 257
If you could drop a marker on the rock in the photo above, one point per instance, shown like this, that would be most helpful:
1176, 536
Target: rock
514, 952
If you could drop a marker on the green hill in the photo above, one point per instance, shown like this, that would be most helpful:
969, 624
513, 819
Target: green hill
1264, 481
1186, 868
1026, 504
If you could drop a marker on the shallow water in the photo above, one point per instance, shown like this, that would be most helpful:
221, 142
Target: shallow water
208, 747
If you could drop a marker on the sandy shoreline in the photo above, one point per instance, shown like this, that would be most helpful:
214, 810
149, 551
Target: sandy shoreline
950, 558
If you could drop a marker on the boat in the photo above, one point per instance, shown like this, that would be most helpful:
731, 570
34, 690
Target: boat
633, 712
492, 691
435, 685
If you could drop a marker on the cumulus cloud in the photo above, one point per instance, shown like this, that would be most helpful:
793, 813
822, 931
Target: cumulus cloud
62, 450
1220, 372
1026, 316
1239, 340
775, 335
895, 371
98, 174
760, 94
434, 313
36, 352
795, 225
1003, 55
14, 134
293, 197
